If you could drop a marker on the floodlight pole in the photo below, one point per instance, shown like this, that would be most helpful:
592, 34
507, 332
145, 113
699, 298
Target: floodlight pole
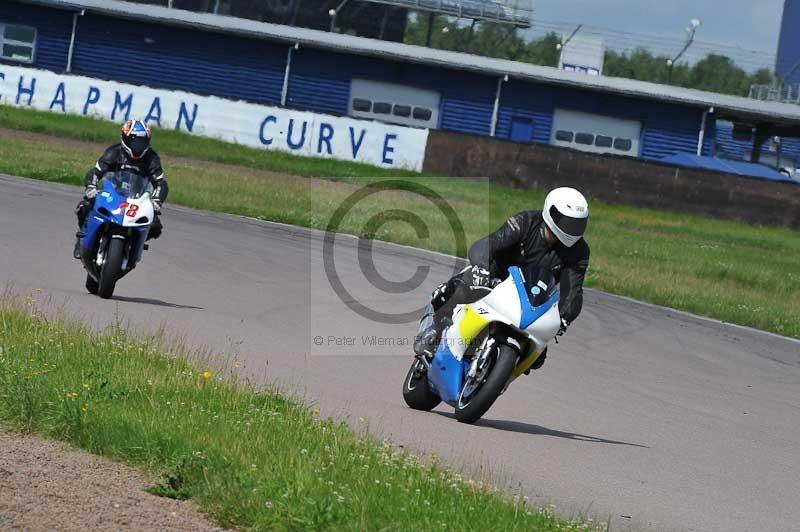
430, 29
334, 12
695, 23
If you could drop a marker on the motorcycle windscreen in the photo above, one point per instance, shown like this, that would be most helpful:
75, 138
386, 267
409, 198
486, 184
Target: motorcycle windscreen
128, 184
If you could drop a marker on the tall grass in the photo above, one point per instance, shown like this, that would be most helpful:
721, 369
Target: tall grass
251, 459
729, 270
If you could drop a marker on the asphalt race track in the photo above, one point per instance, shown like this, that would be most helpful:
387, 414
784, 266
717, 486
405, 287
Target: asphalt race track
651, 418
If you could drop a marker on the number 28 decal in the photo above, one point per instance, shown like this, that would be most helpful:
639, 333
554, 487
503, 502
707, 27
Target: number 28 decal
132, 209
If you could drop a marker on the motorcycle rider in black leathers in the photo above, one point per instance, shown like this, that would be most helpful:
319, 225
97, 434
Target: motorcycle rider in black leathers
550, 239
132, 153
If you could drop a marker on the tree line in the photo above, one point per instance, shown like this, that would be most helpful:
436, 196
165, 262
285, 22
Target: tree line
714, 73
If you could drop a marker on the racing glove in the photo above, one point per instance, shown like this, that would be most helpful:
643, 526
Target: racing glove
90, 192
157, 206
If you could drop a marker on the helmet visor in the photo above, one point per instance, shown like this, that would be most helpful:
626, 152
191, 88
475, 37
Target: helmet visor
571, 226
137, 145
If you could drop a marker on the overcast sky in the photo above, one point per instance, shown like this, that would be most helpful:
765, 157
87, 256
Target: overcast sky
750, 24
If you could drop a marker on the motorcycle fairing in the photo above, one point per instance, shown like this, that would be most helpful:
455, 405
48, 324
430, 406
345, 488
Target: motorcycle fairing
112, 208
508, 303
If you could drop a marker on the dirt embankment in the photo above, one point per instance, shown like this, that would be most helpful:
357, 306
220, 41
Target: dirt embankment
46, 485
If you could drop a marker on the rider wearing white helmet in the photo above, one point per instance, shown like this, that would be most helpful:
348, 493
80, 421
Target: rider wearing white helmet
551, 238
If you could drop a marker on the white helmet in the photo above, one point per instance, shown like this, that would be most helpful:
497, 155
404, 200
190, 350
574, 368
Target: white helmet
566, 214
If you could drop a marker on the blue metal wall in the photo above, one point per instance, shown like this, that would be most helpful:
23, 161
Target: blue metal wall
666, 129
789, 43
741, 150
320, 80
163, 56
54, 28
205, 62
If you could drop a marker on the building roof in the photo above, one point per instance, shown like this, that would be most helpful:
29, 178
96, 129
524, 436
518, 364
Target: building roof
781, 116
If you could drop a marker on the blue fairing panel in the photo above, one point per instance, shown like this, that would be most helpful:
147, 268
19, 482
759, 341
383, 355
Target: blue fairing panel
446, 374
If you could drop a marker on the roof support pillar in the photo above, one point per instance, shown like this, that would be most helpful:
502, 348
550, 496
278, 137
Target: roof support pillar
72, 37
761, 136
285, 88
496, 109
702, 137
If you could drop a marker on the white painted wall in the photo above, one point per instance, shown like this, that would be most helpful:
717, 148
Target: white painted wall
260, 126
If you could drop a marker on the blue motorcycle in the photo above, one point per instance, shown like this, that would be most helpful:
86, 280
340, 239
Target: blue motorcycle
487, 345
116, 230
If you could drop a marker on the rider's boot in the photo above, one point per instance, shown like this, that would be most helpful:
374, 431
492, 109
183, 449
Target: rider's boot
76, 251
426, 339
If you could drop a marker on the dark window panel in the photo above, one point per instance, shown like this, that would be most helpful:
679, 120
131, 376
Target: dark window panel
420, 113
564, 136
362, 105
402, 110
381, 108
602, 141
623, 144
584, 138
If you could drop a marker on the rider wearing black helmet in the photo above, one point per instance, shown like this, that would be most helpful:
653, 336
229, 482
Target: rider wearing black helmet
551, 238
132, 153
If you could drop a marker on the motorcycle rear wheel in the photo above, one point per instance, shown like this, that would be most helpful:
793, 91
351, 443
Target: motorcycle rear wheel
416, 390
470, 410
112, 267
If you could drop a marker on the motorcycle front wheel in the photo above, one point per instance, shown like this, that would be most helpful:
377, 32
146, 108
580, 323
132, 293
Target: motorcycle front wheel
112, 267
480, 392
416, 390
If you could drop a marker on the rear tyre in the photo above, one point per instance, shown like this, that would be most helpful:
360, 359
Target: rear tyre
91, 285
470, 409
111, 268
416, 390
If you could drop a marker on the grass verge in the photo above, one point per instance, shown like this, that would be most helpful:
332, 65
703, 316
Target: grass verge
250, 459
728, 270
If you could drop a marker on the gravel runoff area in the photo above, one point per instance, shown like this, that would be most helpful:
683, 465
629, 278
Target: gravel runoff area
46, 485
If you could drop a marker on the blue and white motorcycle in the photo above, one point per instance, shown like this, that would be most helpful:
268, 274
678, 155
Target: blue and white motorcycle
116, 230
490, 343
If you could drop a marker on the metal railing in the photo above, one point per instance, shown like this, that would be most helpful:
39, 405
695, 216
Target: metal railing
776, 93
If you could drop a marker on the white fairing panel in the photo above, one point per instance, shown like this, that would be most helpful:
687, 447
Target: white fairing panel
143, 208
545, 328
505, 301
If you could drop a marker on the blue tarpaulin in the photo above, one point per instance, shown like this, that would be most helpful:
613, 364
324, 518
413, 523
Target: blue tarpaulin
742, 168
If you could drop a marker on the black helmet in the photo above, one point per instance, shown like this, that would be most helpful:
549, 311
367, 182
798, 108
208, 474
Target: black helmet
135, 138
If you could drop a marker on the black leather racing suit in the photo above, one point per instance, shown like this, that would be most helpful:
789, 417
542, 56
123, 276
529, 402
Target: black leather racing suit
114, 159
519, 242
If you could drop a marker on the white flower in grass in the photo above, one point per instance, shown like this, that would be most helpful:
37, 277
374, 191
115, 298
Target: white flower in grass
253, 467
340, 498
303, 451
268, 504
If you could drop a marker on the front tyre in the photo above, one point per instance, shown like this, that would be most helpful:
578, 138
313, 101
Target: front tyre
416, 390
112, 267
480, 393
91, 285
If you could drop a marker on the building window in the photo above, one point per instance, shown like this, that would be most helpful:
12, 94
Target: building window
603, 141
623, 144
362, 105
394, 103
17, 42
421, 113
402, 110
381, 108
584, 138
564, 136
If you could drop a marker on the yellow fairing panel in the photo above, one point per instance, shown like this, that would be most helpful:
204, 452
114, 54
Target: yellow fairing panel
471, 325
523, 366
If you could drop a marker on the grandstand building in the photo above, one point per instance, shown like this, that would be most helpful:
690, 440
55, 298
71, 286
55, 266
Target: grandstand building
340, 74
